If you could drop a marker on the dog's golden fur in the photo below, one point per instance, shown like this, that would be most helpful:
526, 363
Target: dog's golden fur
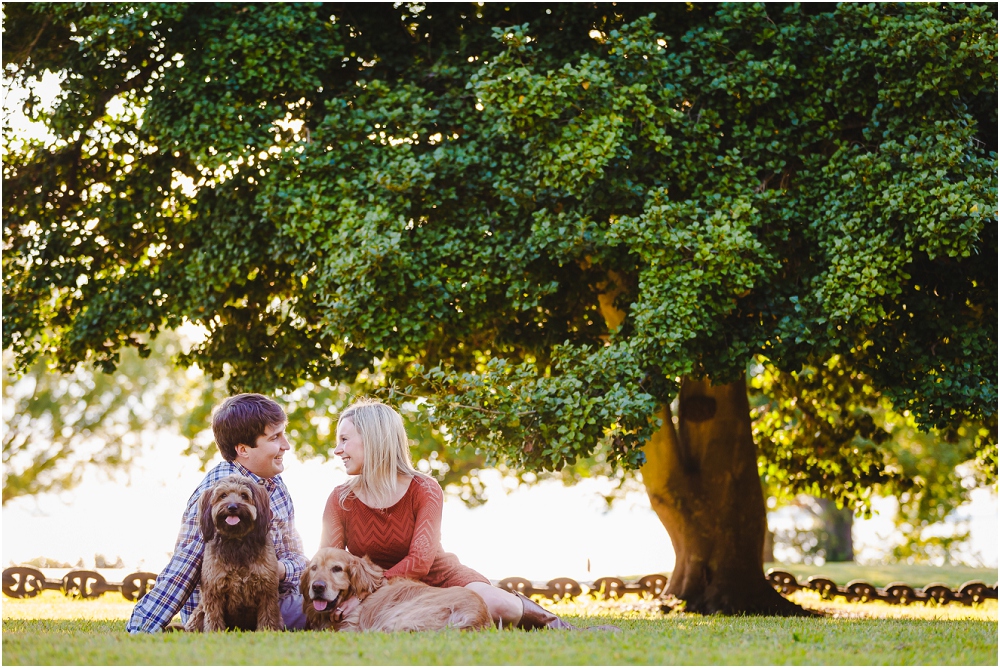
239, 572
385, 605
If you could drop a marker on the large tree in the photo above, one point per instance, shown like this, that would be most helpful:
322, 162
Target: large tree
570, 227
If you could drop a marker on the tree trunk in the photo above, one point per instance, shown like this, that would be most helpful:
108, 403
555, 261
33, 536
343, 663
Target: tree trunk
768, 546
701, 477
838, 524
702, 481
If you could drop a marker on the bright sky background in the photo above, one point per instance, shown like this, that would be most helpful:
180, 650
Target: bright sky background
539, 533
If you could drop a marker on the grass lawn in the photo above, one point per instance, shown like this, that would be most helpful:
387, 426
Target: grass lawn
51, 629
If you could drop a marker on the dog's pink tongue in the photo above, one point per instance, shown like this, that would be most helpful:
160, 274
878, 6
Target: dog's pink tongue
232, 520
319, 605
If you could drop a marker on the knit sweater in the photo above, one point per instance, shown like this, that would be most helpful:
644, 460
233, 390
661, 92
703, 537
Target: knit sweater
404, 539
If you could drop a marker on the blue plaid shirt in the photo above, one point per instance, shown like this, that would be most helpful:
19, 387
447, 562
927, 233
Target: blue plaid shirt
176, 588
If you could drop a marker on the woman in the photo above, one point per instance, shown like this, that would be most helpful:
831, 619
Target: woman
391, 513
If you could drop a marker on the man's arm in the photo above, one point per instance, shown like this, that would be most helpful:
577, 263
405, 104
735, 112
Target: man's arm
288, 548
177, 581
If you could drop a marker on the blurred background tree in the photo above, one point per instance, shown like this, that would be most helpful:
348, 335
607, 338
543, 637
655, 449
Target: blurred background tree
825, 535
56, 424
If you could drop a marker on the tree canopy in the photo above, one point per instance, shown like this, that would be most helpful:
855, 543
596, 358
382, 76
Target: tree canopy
449, 199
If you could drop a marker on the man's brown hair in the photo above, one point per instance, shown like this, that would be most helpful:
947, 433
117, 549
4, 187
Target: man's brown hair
242, 419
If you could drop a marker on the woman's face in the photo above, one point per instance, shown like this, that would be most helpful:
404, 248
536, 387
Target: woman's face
350, 448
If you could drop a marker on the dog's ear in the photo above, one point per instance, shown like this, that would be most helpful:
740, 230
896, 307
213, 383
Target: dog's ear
207, 521
305, 584
366, 577
263, 504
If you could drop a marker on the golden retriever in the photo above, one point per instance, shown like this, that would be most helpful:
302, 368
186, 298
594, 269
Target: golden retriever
239, 573
398, 604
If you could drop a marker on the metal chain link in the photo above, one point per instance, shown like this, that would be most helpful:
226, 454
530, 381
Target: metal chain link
26, 582
898, 593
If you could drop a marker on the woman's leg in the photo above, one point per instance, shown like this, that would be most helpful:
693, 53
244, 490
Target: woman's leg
520, 611
504, 607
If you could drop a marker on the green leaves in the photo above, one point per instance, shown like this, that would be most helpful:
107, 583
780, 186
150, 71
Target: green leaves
544, 422
825, 430
376, 192
699, 261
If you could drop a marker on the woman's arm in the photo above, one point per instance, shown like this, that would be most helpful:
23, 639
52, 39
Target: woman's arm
333, 523
428, 501
333, 535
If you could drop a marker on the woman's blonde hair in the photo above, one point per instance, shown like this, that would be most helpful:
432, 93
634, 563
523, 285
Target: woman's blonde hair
386, 447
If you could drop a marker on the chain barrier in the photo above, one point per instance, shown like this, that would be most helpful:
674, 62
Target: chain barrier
558, 589
26, 582
897, 593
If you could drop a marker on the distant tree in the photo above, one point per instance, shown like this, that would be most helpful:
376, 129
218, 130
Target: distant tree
101, 561
45, 562
571, 228
58, 424
947, 472
826, 535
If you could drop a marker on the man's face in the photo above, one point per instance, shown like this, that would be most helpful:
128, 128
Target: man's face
266, 459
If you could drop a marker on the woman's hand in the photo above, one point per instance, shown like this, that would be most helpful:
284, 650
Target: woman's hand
345, 608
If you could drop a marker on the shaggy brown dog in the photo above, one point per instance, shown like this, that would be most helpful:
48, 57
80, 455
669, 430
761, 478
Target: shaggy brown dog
385, 605
239, 573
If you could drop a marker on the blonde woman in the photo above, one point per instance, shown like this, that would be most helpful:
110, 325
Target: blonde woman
392, 513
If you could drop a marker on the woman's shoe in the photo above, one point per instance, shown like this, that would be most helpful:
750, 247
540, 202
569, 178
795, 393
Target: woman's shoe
534, 616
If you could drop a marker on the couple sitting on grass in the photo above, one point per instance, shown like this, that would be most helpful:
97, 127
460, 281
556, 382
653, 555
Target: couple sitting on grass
386, 511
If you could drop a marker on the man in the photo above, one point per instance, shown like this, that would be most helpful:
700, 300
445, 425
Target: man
249, 430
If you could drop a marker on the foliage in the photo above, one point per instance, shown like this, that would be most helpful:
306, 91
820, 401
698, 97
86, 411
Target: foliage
812, 422
941, 467
436, 199
45, 562
816, 434
56, 424
512, 410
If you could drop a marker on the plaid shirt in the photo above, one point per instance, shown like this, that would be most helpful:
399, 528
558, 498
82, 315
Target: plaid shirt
177, 585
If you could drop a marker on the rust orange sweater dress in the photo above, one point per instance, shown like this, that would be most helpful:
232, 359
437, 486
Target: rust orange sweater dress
404, 539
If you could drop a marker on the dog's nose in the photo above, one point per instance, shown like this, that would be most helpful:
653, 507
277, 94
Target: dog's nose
232, 507
319, 586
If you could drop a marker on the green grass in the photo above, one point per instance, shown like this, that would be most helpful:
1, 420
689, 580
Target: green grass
53, 630
675, 640
914, 575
